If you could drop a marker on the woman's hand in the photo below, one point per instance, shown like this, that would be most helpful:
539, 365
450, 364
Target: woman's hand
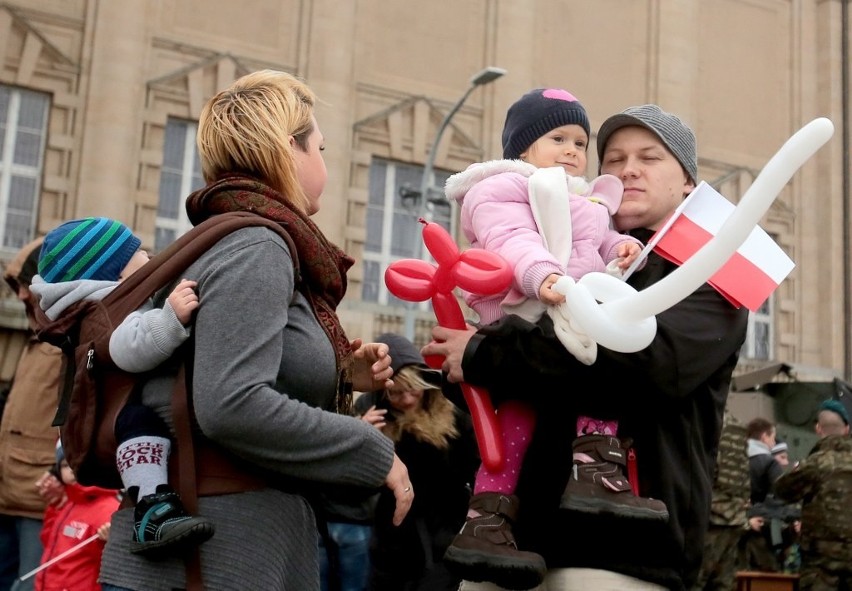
372, 369
399, 482
375, 417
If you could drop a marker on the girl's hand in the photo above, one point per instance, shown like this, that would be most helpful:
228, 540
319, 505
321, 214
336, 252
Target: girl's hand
375, 417
546, 293
627, 252
103, 532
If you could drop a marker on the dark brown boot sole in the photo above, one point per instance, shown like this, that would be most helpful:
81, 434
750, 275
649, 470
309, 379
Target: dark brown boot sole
516, 573
602, 506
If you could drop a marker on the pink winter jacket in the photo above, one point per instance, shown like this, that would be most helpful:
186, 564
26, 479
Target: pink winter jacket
496, 216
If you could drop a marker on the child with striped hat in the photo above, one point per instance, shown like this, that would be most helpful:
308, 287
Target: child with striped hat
84, 259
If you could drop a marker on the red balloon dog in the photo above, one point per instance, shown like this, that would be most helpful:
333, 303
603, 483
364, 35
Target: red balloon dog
475, 270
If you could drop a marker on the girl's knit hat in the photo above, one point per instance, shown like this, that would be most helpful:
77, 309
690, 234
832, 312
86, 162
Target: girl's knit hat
538, 112
88, 248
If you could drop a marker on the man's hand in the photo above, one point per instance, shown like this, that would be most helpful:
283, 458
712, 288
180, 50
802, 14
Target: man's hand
450, 344
372, 370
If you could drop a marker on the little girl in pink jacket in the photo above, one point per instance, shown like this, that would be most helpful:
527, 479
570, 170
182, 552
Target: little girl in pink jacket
535, 209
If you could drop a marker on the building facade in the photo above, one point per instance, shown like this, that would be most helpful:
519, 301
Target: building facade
99, 101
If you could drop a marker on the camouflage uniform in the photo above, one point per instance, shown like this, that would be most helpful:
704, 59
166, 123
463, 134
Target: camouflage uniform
731, 490
823, 482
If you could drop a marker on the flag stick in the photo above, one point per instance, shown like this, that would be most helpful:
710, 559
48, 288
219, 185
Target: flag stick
60, 557
658, 235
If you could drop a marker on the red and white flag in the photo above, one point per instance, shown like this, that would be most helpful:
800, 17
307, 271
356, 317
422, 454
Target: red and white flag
754, 271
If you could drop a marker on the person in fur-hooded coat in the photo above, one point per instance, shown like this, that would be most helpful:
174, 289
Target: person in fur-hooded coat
435, 440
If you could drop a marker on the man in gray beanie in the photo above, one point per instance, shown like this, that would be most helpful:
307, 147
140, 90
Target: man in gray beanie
671, 131
668, 398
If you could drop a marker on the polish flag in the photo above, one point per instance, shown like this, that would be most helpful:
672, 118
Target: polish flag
753, 272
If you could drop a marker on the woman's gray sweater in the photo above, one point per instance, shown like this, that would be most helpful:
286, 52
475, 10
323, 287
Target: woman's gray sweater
264, 369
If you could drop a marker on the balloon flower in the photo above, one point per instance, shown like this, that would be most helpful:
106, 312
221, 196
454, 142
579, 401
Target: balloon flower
474, 270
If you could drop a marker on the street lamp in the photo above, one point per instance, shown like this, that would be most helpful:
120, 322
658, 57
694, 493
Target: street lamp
484, 76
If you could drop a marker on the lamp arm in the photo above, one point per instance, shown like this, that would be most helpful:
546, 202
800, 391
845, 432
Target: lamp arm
433, 149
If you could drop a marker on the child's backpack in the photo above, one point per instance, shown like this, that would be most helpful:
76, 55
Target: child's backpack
95, 390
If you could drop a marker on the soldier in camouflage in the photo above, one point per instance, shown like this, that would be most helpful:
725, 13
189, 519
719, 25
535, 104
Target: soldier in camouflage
731, 490
823, 483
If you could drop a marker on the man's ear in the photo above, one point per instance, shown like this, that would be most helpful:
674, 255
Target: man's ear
688, 184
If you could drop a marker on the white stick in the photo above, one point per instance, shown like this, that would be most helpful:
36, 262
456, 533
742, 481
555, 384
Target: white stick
657, 236
60, 557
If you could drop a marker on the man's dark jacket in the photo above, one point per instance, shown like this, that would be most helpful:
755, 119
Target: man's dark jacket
669, 400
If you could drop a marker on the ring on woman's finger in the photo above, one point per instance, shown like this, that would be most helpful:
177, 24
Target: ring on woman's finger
406, 489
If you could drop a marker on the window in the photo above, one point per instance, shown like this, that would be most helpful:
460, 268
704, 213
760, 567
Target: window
180, 176
393, 231
760, 337
23, 135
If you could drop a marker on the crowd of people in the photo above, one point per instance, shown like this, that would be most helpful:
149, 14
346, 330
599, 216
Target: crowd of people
362, 464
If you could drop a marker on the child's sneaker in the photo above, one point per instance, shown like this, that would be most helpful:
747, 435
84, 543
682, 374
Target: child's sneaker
485, 548
598, 484
163, 527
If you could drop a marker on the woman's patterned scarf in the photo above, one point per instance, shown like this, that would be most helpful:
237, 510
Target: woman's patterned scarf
322, 265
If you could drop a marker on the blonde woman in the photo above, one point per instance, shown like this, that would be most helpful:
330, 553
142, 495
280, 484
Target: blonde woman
272, 368
435, 440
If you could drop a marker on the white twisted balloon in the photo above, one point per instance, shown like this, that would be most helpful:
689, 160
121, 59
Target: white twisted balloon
624, 320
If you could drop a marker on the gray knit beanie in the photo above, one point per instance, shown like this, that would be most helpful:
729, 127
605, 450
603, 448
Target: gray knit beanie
674, 133
538, 112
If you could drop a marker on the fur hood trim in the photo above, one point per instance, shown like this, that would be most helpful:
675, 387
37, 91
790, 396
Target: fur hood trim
436, 427
460, 183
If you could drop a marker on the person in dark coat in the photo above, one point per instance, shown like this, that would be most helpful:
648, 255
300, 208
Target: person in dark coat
434, 439
669, 397
764, 523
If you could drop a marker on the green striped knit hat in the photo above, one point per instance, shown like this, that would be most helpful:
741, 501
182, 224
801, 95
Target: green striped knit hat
88, 248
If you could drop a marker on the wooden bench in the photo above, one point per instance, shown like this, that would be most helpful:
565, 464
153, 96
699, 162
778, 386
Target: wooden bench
761, 581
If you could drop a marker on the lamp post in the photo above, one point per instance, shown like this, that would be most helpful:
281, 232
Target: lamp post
484, 76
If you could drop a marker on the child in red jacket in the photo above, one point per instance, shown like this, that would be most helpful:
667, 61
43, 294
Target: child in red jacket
83, 512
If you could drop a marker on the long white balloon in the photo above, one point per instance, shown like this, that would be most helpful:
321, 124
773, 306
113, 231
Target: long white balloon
632, 312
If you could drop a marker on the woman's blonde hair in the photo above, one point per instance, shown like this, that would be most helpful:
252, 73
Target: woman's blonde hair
247, 129
434, 422
409, 378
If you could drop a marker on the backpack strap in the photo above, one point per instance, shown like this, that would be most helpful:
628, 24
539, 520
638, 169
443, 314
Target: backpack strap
180, 254
191, 475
